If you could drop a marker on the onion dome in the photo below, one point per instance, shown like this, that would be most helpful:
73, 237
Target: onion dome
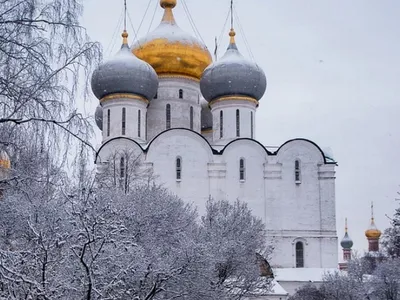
125, 74
170, 50
346, 242
98, 117
233, 75
5, 161
373, 232
206, 116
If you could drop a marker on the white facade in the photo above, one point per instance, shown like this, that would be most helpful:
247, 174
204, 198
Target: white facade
291, 189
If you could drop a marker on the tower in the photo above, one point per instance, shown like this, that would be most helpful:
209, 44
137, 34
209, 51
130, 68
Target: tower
373, 234
124, 85
233, 86
347, 244
179, 60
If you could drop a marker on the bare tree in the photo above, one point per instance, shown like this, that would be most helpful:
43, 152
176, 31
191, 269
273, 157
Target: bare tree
44, 55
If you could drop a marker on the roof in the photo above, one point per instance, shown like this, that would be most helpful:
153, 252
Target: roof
302, 274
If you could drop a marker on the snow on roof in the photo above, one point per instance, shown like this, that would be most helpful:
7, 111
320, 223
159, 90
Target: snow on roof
277, 289
302, 274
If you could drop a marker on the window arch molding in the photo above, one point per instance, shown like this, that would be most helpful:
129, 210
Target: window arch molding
299, 246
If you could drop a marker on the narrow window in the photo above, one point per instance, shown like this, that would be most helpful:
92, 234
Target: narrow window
156, 95
178, 168
299, 255
180, 94
221, 124
123, 121
145, 125
168, 116
297, 171
108, 122
191, 118
251, 125
242, 170
122, 167
139, 121
237, 123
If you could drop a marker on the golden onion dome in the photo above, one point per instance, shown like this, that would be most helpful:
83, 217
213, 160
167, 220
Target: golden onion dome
170, 50
5, 162
373, 232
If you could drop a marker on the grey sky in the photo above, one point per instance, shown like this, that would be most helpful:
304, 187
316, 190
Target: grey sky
333, 71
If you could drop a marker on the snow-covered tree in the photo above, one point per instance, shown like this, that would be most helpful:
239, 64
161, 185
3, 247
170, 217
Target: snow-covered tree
382, 284
391, 237
45, 54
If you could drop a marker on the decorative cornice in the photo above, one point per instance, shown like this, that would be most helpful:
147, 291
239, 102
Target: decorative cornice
124, 96
234, 98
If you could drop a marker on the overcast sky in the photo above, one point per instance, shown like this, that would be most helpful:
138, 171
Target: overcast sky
333, 71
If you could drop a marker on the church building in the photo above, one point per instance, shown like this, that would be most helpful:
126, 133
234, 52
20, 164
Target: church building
190, 121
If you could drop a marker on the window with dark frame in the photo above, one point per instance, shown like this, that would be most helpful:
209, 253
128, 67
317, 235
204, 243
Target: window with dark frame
178, 168
180, 94
108, 122
299, 255
139, 122
221, 124
297, 171
191, 118
123, 121
242, 169
168, 116
237, 123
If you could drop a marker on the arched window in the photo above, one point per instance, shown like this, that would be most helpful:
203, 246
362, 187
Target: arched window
180, 94
122, 167
139, 118
156, 95
221, 124
242, 169
123, 121
299, 255
145, 125
168, 116
178, 168
251, 125
108, 122
191, 117
297, 171
237, 123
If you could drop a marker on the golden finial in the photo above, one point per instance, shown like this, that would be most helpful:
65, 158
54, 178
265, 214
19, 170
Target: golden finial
168, 5
345, 226
125, 37
232, 34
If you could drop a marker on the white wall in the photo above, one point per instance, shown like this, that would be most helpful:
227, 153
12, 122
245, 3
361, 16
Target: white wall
229, 108
132, 107
168, 93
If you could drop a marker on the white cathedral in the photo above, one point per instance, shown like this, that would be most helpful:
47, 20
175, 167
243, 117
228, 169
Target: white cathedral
192, 123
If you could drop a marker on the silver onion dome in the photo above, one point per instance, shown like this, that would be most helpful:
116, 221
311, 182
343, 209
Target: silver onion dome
125, 73
233, 75
206, 116
98, 117
346, 242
